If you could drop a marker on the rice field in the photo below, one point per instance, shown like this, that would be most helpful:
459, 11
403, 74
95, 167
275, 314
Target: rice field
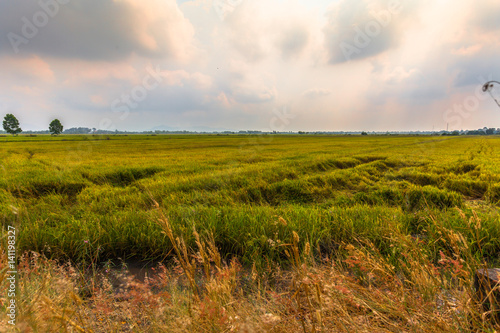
272, 213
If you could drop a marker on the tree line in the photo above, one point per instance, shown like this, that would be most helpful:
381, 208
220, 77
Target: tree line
11, 125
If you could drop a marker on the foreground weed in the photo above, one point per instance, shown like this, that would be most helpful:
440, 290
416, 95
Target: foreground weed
364, 292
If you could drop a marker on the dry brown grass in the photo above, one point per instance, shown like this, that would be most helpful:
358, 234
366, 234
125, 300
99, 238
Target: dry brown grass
200, 292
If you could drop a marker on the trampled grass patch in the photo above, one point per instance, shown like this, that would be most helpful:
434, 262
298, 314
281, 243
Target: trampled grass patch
122, 176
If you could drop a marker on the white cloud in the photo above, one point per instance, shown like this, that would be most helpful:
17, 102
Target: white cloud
316, 92
181, 77
359, 29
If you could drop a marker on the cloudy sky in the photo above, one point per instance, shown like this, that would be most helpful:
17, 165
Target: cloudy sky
250, 64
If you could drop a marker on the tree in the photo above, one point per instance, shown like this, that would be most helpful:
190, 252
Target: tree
55, 127
11, 125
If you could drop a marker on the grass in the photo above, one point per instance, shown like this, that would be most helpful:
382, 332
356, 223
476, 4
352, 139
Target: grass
201, 292
258, 233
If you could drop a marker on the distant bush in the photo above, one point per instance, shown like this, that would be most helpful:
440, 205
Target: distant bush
78, 130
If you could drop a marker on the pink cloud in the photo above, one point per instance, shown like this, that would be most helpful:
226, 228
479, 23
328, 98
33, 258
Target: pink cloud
97, 71
31, 69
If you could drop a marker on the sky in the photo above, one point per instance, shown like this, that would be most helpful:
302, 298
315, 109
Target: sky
342, 65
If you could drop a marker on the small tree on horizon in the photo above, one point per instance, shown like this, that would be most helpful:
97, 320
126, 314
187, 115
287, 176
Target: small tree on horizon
55, 127
11, 124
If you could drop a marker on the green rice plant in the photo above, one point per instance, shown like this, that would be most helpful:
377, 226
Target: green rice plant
77, 188
418, 178
329, 164
493, 194
429, 196
292, 191
467, 187
462, 167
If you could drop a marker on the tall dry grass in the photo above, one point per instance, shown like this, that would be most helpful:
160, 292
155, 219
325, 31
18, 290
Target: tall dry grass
359, 289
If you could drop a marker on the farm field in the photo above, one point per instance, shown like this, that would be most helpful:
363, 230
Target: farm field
265, 204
